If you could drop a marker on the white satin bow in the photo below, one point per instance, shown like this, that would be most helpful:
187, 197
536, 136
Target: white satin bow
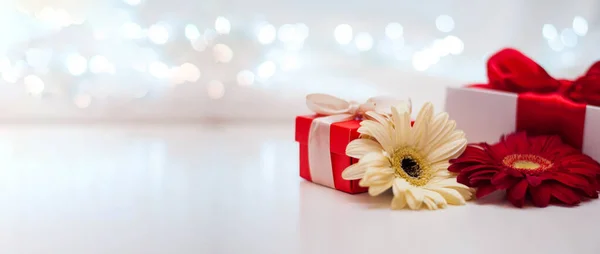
325, 104
337, 110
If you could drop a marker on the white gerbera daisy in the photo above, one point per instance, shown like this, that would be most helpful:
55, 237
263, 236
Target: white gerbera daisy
412, 160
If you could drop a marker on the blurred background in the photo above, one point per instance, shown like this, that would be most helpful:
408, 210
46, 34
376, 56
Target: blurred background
231, 60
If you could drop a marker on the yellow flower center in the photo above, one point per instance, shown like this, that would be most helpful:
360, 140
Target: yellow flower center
526, 165
527, 162
411, 166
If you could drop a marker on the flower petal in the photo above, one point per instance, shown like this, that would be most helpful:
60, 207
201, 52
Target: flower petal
440, 166
574, 181
503, 180
357, 170
488, 173
420, 128
449, 183
414, 198
589, 172
485, 190
516, 194
399, 201
379, 118
401, 118
378, 176
400, 186
379, 171
379, 132
438, 199
441, 175
515, 144
447, 151
451, 196
469, 170
466, 193
359, 147
404, 106
534, 180
482, 179
375, 190
540, 195
376, 159
430, 204
439, 131
564, 194
382, 119
474, 154
439, 126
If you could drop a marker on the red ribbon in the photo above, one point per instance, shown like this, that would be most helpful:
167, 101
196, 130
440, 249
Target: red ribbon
545, 105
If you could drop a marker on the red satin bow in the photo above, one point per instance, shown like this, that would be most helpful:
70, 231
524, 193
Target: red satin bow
510, 70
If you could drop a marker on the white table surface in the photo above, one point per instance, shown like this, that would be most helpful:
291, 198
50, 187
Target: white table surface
219, 189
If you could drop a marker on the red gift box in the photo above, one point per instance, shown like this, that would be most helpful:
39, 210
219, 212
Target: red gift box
521, 96
341, 133
323, 137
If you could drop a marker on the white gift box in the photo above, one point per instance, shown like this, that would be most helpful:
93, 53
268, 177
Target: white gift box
485, 115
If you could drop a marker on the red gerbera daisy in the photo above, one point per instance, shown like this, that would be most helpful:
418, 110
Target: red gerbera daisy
540, 168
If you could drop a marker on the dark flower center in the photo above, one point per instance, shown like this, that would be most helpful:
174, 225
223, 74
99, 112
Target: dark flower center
411, 167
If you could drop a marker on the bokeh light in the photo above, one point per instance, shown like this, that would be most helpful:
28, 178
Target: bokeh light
556, 44
266, 70
267, 33
132, 2
549, 31
76, 64
158, 69
580, 26
158, 34
394, 30
343, 34
99, 64
192, 32
568, 37
444, 23
215, 89
131, 30
191, 72
290, 61
222, 25
455, 45
34, 84
363, 41
245, 78
222, 53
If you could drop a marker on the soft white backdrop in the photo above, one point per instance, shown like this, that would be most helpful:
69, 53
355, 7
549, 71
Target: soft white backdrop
177, 60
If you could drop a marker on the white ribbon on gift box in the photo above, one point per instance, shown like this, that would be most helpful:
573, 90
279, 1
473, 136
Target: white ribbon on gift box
335, 110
